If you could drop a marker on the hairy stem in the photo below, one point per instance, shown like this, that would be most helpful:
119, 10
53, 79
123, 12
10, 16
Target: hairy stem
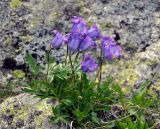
76, 57
81, 86
66, 55
48, 62
70, 60
100, 70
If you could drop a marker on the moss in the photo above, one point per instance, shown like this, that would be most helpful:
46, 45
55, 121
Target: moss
127, 73
9, 40
27, 38
40, 106
123, 72
157, 85
48, 111
106, 25
39, 120
151, 62
53, 16
90, 23
34, 22
18, 73
22, 114
18, 50
45, 108
38, 128
81, 3
15, 3
152, 93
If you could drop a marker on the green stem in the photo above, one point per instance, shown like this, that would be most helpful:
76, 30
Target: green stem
66, 55
100, 70
96, 75
60, 90
70, 59
81, 86
76, 57
48, 62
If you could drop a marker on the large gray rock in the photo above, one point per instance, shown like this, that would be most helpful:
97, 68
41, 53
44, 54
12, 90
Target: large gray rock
26, 112
135, 23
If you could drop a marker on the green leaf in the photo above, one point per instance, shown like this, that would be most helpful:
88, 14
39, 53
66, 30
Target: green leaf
59, 71
117, 89
34, 68
2, 94
57, 119
58, 116
95, 118
66, 101
80, 115
126, 124
139, 95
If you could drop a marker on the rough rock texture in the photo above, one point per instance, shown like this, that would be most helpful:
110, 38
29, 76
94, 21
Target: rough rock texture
25, 112
135, 23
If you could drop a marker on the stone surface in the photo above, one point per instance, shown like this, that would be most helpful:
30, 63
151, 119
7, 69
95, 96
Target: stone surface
26, 112
134, 22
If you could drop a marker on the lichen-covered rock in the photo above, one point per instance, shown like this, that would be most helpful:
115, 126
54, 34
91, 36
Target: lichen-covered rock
26, 112
149, 66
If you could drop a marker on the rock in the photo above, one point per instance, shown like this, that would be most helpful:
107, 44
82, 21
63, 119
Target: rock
19, 60
152, 53
25, 112
130, 20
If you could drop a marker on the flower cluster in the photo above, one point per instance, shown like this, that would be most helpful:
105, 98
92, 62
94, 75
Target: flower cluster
83, 38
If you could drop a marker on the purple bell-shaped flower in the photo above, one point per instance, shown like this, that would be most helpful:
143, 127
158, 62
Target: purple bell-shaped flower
79, 25
74, 42
110, 49
88, 64
87, 43
94, 32
58, 39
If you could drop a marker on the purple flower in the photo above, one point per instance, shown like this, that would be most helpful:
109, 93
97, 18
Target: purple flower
95, 45
58, 39
79, 25
66, 38
87, 43
74, 42
88, 64
108, 40
110, 49
94, 32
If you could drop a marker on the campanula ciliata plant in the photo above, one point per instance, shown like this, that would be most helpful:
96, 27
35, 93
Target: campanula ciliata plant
84, 103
